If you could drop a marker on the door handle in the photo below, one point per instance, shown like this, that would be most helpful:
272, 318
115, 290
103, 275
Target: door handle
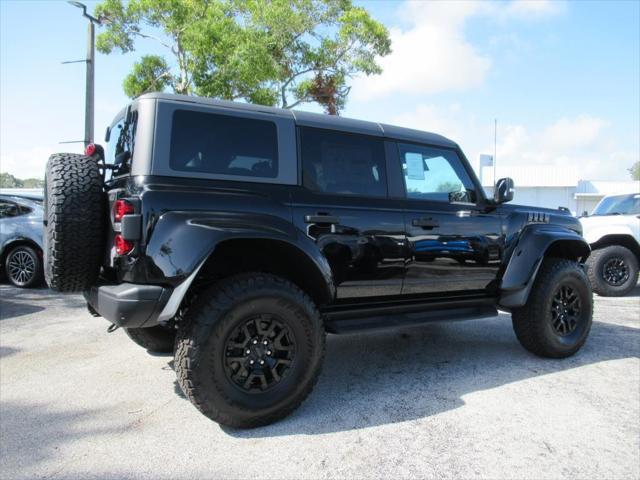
320, 219
426, 223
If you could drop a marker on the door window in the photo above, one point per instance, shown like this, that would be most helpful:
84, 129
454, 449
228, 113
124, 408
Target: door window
435, 174
342, 163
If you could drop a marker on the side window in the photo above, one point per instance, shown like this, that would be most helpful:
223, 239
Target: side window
435, 174
342, 163
222, 144
8, 209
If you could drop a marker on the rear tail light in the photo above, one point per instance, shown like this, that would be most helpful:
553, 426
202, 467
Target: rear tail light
90, 149
122, 246
122, 208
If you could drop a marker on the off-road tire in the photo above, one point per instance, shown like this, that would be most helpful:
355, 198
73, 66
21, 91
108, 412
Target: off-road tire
209, 323
596, 265
157, 339
35, 278
74, 220
533, 323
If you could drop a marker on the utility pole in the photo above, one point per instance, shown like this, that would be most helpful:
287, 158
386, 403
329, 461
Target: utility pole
90, 63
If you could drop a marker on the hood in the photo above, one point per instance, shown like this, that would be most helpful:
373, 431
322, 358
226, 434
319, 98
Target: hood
597, 226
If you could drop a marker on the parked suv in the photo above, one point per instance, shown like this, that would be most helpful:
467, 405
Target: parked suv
247, 232
613, 231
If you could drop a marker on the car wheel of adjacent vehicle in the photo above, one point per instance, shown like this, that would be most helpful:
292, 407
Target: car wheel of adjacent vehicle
23, 267
556, 319
250, 351
613, 271
158, 339
74, 219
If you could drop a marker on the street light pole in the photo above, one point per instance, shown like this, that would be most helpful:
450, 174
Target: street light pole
90, 90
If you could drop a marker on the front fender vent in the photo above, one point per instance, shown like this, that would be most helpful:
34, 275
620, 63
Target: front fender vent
538, 217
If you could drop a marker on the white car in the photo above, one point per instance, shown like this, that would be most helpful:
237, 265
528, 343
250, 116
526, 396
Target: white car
613, 231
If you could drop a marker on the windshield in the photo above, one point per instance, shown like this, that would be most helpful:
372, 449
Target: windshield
618, 205
119, 151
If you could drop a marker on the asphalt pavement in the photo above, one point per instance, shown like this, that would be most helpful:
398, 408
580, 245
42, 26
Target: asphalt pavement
445, 400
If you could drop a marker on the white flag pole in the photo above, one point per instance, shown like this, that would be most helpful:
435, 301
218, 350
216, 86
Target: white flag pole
495, 152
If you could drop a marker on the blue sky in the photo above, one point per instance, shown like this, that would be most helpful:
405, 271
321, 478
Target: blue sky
561, 77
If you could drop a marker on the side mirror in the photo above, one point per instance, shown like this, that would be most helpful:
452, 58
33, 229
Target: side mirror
504, 190
585, 214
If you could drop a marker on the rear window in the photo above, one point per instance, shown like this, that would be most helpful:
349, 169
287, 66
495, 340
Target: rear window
223, 144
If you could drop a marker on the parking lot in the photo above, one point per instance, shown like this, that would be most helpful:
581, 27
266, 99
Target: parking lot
456, 400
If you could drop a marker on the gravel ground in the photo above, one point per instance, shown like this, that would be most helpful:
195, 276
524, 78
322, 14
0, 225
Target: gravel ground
453, 400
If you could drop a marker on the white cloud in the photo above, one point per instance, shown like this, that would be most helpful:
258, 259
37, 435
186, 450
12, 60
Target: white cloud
531, 9
445, 121
581, 143
578, 132
433, 55
578, 143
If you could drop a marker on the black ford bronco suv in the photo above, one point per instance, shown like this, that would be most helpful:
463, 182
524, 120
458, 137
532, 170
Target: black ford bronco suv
236, 235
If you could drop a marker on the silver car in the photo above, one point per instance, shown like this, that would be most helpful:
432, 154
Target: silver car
21, 240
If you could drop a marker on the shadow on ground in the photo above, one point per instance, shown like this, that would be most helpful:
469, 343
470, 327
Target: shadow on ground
9, 309
17, 302
26, 425
388, 377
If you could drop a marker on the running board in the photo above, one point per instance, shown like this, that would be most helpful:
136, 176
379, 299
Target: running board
358, 319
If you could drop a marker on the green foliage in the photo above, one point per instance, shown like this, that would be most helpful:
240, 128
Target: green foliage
448, 187
150, 74
33, 183
9, 181
277, 52
634, 171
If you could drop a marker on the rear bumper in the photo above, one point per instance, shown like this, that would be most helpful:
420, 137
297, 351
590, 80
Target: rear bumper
128, 305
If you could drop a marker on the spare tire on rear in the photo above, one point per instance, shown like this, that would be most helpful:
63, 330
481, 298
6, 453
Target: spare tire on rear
74, 219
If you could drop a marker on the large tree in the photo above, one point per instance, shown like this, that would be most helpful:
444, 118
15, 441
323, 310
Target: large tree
634, 171
271, 52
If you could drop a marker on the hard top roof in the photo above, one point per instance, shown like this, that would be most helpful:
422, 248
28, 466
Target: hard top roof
317, 120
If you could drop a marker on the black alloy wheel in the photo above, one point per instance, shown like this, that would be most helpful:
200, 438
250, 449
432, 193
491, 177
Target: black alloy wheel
615, 271
258, 353
565, 310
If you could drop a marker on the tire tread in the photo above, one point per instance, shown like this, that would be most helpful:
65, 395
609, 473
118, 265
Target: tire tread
209, 310
74, 222
594, 264
528, 323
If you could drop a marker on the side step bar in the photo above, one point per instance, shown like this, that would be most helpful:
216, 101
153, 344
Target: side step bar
348, 320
